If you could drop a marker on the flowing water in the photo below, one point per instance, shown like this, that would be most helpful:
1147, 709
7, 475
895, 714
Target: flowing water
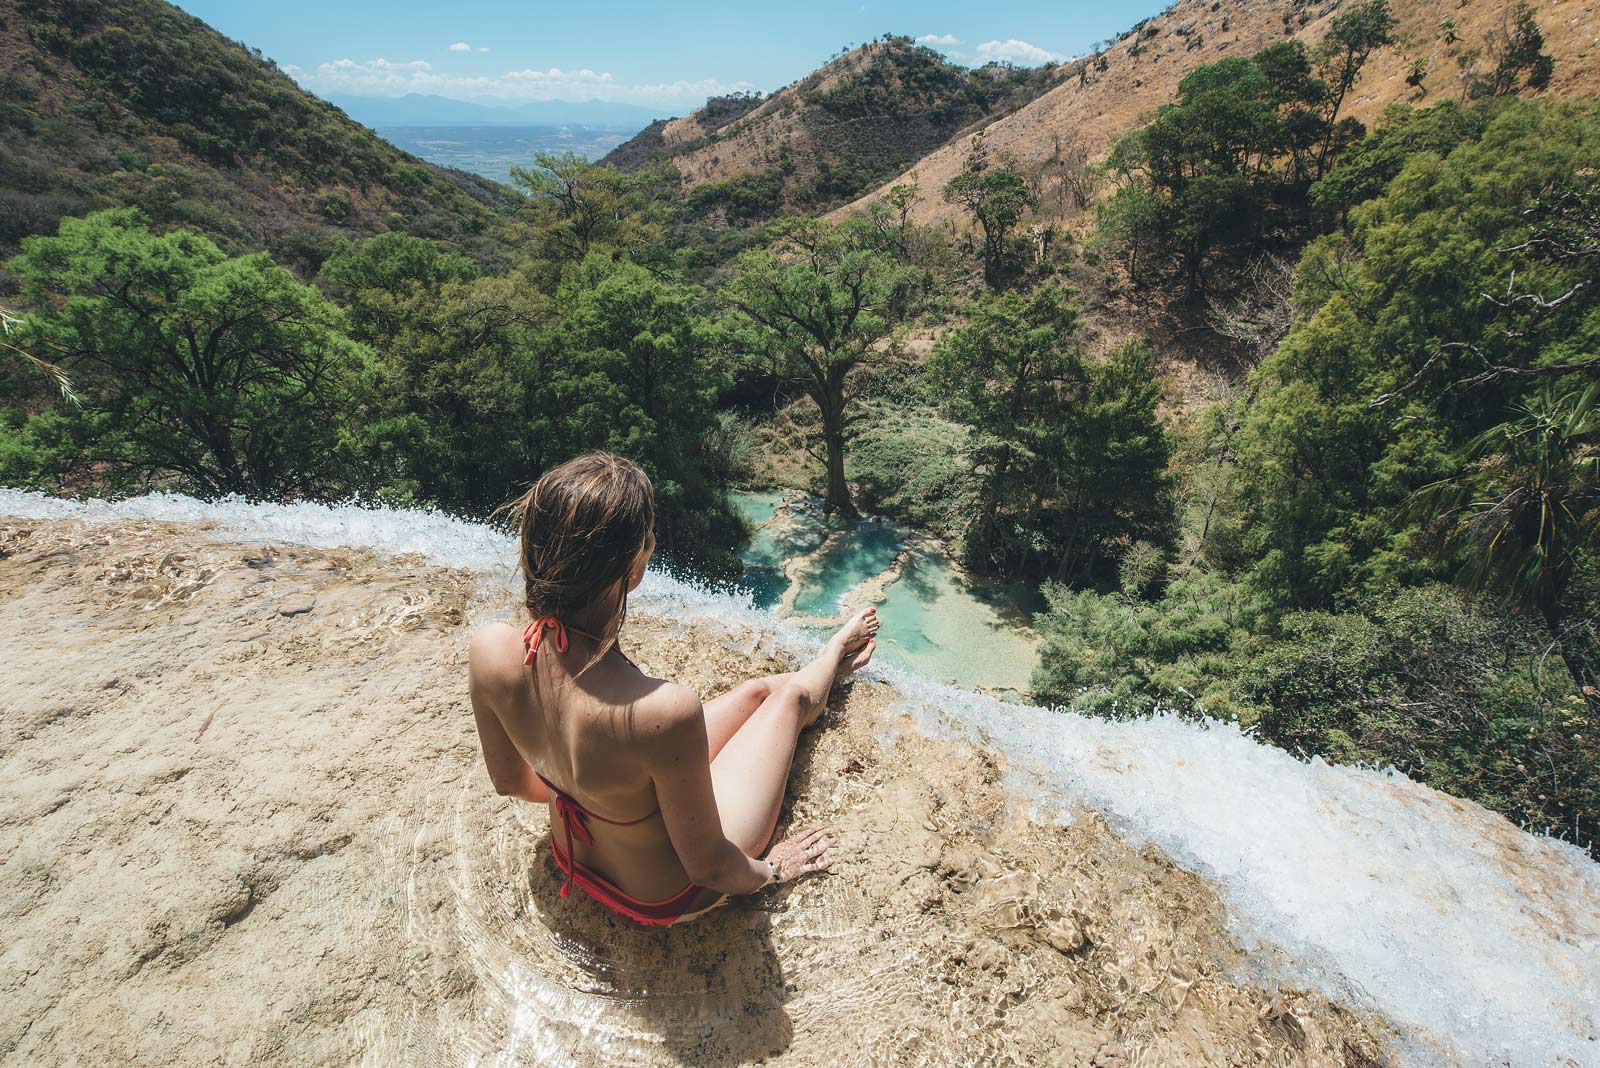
937, 621
1480, 943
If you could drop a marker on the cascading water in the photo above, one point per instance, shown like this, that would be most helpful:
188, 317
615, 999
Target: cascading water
1481, 943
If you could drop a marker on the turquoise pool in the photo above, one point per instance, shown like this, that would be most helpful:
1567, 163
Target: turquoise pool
936, 621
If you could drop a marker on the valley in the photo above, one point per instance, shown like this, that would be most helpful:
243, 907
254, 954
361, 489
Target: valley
491, 151
1211, 414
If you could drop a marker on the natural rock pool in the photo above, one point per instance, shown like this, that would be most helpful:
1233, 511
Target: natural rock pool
937, 620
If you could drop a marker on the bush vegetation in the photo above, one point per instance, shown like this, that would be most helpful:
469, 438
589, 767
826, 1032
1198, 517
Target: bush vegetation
132, 103
1378, 544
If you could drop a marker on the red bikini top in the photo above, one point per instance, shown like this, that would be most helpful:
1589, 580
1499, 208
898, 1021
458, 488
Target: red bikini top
533, 636
574, 817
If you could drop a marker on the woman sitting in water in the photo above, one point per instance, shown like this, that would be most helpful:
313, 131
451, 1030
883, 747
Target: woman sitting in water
659, 806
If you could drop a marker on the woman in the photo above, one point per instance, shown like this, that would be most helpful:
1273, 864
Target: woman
659, 806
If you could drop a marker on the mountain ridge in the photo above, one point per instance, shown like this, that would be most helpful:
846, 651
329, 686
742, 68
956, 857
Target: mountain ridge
820, 141
1102, 96
137, 103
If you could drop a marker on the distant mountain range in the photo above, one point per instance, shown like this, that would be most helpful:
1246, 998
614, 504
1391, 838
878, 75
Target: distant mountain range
421, 109
891, 112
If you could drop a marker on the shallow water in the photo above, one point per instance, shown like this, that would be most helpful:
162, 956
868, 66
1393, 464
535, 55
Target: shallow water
856, 555
560, 985
958, 632
758, 506
779, 536
1481, 943
936, 621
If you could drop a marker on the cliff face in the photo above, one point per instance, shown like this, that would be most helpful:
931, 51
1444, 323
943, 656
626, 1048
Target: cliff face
1100, 98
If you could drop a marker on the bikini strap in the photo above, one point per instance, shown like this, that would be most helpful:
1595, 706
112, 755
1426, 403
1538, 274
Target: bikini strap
533, 636
572, 816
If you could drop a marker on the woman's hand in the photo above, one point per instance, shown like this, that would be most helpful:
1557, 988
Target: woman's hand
803, 852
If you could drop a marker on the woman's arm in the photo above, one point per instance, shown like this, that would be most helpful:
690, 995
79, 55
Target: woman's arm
487, 686
681, 768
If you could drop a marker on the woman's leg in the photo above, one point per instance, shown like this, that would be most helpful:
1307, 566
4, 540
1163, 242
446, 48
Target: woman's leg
751, 770
726, 713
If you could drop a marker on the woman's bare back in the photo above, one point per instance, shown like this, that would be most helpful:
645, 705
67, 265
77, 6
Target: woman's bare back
586, 734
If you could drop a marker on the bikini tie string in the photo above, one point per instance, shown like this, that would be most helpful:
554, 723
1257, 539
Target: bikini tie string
533, 636
572, 822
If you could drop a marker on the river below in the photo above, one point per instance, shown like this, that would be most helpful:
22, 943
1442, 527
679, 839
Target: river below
937, 620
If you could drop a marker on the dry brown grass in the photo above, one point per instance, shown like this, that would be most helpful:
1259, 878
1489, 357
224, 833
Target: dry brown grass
1096, 111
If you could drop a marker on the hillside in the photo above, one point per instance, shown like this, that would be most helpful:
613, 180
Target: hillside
1098, 98
134, 102
844, 128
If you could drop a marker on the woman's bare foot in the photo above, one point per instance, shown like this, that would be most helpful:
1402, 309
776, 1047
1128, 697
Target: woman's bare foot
848, 650
856, 634
857, 638
854, 662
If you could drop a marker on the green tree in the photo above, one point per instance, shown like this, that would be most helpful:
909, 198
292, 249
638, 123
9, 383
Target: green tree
890, 216
1351, 39
484, 382
1187, 179
1008, 373
572, 207
1374, 161
1132, 222
996, 199
632, 360
1244, 138
454, 414
1524, 511
1116, 654
1107, 476
1520, 58
221, 374
809, 309
1398, 359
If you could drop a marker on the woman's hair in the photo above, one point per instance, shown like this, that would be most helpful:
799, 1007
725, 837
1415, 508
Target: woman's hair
583, 526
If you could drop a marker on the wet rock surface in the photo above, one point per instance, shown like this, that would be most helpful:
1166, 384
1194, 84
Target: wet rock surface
235, 833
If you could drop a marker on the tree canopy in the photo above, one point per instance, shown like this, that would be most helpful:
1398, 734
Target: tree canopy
809, 309
221, 372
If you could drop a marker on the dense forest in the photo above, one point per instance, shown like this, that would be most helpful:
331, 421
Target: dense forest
1372, 538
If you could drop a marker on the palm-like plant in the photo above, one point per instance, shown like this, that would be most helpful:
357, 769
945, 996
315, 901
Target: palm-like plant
1523, 511
10, 322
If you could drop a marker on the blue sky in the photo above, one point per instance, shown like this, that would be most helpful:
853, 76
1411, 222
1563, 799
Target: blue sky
668, 56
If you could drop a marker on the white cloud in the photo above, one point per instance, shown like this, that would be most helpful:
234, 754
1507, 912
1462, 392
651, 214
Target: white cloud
943, 40
381, 77
483, 48
1014, 51
461, 46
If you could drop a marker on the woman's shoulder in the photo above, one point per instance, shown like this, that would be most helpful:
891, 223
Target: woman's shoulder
669, 706
495, 654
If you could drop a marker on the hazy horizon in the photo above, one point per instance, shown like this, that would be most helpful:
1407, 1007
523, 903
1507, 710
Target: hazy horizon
494, 53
